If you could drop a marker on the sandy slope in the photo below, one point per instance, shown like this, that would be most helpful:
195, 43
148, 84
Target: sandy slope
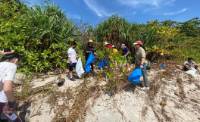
173, 96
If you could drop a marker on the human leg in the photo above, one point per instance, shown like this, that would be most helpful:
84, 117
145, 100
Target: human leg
71, 67
144, 74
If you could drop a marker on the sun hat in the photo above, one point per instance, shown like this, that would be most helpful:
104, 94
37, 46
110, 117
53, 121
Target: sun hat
91, 41
106, 43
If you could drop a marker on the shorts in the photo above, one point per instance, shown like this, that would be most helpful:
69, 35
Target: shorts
72, 66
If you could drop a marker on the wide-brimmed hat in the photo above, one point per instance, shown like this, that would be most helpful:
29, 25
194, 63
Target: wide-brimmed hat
91, 41
123, 44
106, 43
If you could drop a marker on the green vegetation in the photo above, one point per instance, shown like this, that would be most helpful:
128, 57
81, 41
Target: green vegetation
42, 35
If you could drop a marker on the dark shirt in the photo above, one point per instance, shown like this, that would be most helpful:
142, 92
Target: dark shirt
124, 51
89, 49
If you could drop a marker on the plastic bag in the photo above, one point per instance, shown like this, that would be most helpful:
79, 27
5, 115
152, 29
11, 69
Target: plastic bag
193, 72
79, 68
134, 77
90, 60
102, 63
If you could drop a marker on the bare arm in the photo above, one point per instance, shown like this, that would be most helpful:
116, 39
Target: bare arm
8, 89
143, 55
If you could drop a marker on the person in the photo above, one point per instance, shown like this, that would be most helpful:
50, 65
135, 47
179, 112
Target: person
8, 67
89, 49
125, 50
140, 57
72, 59
190, 64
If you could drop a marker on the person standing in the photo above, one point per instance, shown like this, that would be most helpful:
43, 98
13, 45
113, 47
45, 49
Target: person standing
8, 67
89, 49
140, 57
72, 59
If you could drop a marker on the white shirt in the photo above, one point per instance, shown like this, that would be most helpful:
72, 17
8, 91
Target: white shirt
7, 73
72, 55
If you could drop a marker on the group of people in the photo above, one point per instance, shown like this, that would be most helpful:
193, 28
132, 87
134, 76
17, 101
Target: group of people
140, 56
8, 67
10, 60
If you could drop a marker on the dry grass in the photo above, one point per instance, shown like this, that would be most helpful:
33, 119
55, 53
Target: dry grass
163, 103
181, 88
144, 111
25, 90
156, 113
157, 88
59, 110
79, 107
154, 88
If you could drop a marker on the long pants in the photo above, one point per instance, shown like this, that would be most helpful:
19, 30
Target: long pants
144, 74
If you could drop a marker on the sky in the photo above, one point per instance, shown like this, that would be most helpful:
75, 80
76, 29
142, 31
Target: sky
138, 11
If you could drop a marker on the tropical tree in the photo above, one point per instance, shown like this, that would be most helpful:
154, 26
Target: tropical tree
114, 30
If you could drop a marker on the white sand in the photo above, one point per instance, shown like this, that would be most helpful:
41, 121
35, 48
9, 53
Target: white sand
129, 106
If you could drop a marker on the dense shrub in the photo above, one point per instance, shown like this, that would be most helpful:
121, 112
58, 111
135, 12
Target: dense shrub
39, 34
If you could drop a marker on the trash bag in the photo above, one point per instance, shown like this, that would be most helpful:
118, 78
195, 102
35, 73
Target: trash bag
79, 68
134, 77
193, 72
90, 60
102, 63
